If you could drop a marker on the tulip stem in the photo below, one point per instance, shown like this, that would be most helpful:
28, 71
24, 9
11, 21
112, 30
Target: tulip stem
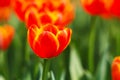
3, 65
91, 44
46, 66
118, 44
27, 54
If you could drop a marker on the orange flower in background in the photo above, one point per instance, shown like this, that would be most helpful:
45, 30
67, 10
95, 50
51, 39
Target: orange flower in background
58, 12
42, 18
6, 36
97, 7
5, 9
21, 6
116, 68
48, 41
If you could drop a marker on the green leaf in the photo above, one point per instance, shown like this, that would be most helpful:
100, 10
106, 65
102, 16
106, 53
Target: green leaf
102, 68
76, 69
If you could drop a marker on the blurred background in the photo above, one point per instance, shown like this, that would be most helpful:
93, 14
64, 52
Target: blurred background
95, 42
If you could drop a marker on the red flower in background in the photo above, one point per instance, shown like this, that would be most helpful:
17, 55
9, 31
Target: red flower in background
116, 68
115, 8
6, 36
5, 9
97, 7
48, 41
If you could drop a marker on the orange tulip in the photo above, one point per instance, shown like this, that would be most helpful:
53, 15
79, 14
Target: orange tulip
116, 68
5, 9
48, 41
34, 17
6, 36
21, 6
58, 12
97, 7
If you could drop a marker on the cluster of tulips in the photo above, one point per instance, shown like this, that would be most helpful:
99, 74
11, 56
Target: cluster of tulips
45, 21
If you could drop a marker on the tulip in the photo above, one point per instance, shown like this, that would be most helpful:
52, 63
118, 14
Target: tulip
97, 7
115, 8
6, 36
116, 68
60, 19
34, 17
58, 12
5, 9
48, 41
21, 6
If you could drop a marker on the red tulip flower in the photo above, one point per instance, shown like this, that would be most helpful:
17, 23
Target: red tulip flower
6, 36
116, 68
97, 7
115, 8
48, 41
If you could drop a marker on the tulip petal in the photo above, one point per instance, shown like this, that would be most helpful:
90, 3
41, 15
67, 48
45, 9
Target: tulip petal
32, 33
116, 69
4, 3
64, 38
51, 28
46, 45
45, 18
18, 9
31, 17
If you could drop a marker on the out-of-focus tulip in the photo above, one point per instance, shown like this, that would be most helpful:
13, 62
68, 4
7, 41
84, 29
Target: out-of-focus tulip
5, 9
6, 36
4, 13
58, 12
97, 7
21, 6
115, 8
116, 68
48, 41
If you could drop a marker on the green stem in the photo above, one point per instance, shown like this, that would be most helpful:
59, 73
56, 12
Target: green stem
3, 65
1, 57
118, 43
91, 44
27, 54
67, 63
45, 69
